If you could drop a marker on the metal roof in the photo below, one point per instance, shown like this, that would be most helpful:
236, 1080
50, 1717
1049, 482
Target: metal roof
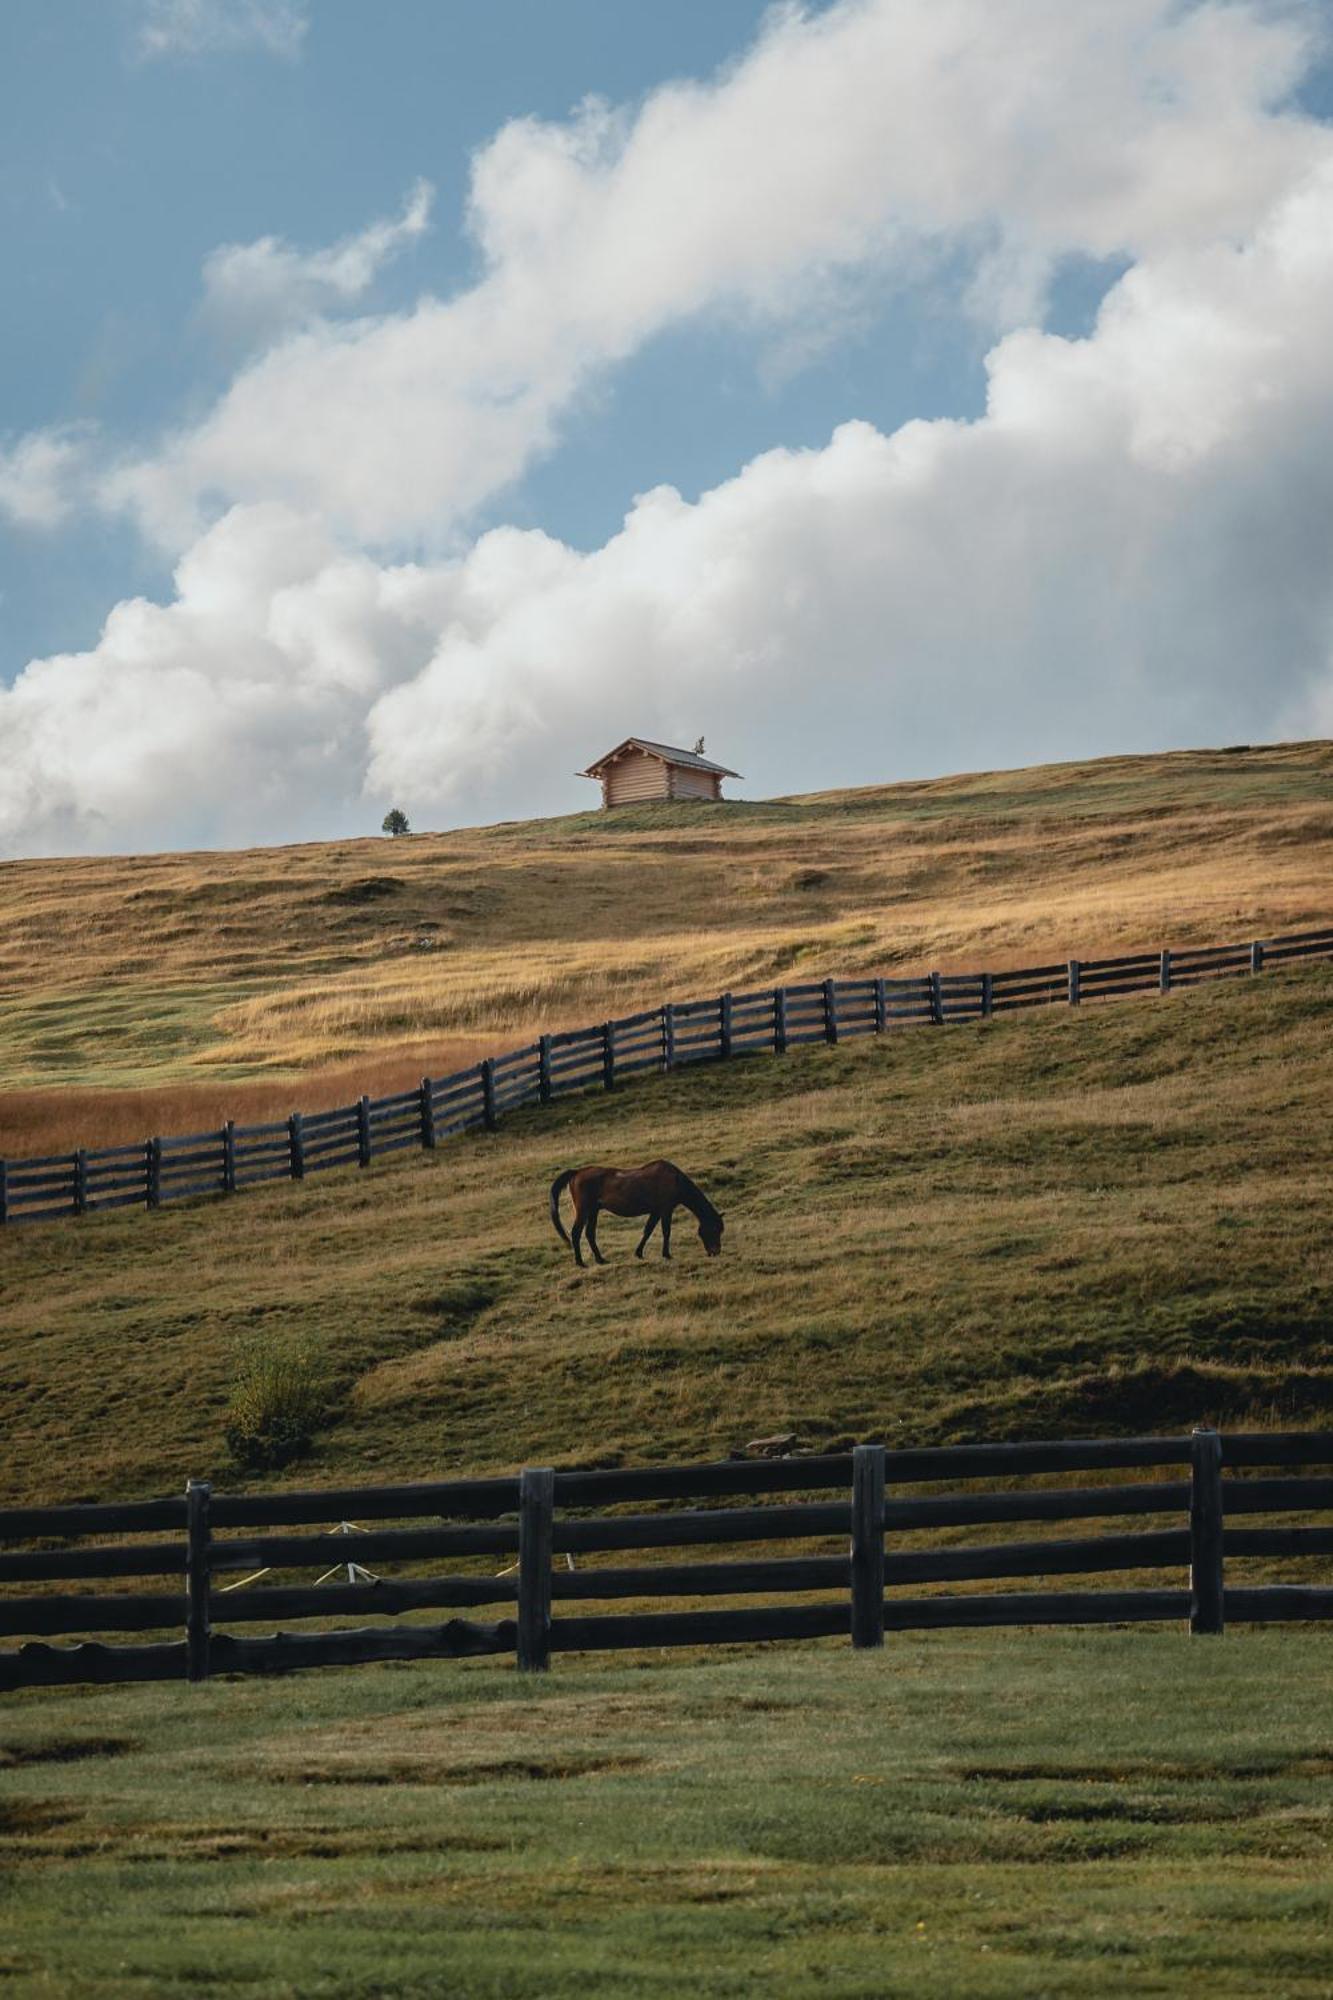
666, 751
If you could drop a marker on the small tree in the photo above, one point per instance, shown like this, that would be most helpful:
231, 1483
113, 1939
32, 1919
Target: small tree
395, 822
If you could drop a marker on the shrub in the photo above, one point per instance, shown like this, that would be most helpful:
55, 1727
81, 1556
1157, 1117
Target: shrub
279, 1399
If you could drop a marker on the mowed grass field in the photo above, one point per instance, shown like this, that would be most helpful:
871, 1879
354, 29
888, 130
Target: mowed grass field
164, 992
1064, 1222
1017, 1815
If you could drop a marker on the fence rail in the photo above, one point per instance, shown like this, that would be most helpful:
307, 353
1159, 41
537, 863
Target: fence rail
234, 1157
531, 1519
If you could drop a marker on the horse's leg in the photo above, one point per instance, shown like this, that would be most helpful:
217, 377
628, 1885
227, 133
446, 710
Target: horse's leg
649, 1227
576, 1239
592, 1235
666, 1231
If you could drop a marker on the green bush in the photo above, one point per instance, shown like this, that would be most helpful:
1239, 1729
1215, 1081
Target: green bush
279, 1399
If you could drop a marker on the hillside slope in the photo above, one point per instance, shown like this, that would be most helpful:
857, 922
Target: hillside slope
1056, 1222
166, 985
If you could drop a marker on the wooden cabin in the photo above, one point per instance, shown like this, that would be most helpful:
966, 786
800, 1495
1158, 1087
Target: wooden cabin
637, 770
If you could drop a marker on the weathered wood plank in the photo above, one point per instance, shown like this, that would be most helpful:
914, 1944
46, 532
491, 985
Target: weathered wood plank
867, 1556
687, 1527
1051, 1504
699, 1628
715, 1579
40, 1665
198, 1630
536, 1493
1036, 1607
1279, 1600
1206, 1596
287, 1651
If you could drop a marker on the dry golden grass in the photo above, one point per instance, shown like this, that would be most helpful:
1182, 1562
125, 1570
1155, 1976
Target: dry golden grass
1061, 1223
53, 1121
241, 983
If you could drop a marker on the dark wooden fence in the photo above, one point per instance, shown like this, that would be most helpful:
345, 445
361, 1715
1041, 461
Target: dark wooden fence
530, 1520
664, 1038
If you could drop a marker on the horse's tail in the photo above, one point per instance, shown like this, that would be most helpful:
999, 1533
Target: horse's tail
558, 1186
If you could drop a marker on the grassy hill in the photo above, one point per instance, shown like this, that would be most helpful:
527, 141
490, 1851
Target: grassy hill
166, 991
1065, 1221
1051, 1223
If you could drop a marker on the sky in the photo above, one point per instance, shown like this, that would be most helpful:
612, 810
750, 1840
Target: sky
399, 406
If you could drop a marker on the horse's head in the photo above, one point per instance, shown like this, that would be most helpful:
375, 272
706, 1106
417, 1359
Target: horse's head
710, 1232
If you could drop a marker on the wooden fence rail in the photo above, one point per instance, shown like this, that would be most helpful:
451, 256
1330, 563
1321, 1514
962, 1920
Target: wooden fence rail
530, 1521
600, 1057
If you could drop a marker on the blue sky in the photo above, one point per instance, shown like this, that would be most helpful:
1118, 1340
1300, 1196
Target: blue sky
341, 342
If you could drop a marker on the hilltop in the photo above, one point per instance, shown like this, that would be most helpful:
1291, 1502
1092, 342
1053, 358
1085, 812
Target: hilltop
162, 992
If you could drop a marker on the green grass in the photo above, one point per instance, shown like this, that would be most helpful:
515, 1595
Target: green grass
1028, 1814
1113, 1219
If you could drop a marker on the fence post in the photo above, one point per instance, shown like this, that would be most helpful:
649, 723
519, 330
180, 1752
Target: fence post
1165, 978
724, 1026
668, 1036
780, 1021
987, 994
296, 1146
608, 1055
487, 1069
1206, 1521
936, 999
881, 1006
1075, 970
536, 1507
154, 1173
544, 1069
427, 1115
868, 1545
830, 1012
363, 1131
81, 1181
229, 1157
4, 1193
1256, 957
198, 1629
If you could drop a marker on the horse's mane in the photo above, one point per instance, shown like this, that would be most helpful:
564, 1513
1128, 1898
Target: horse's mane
697, 1200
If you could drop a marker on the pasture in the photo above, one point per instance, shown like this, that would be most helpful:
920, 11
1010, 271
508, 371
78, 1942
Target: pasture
1067, 1222
155, 993
1001, 1815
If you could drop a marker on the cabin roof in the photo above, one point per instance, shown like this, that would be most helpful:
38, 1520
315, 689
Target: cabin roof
668, 753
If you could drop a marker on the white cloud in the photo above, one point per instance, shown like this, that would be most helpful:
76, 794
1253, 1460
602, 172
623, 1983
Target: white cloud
263, 287
843, 142
1129, 549
221, 27
41, 474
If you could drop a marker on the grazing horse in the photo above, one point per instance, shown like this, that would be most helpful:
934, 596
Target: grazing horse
656, 1191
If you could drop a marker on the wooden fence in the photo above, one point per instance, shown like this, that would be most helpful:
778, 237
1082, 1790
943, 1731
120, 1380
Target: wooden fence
529, 1520
734, 1024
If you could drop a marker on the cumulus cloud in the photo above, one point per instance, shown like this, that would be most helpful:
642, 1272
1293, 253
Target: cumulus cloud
1129, 548
221, 27
843, 142
257, 289
40, 475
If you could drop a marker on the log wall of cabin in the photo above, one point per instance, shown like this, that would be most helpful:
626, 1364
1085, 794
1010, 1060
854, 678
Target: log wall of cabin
633, 778
688, 784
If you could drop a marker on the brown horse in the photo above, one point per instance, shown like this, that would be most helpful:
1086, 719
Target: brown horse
656, 1191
